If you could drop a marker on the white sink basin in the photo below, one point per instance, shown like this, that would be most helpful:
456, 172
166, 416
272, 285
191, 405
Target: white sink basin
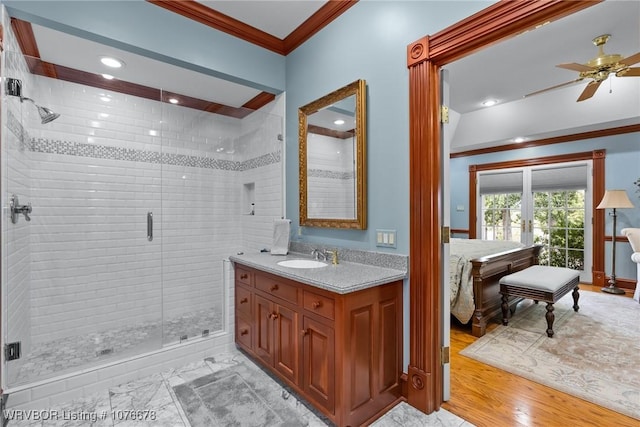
302, 263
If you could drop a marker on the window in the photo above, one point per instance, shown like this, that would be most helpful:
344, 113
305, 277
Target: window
540, 204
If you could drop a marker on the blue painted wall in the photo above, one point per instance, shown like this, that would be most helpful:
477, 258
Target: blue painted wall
368, 42
622, 168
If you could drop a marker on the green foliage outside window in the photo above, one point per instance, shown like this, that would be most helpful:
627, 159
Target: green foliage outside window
558, 224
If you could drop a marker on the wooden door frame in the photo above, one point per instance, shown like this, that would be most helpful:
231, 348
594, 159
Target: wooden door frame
425, 57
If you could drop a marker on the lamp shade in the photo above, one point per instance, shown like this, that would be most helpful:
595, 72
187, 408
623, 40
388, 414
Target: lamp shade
615, 199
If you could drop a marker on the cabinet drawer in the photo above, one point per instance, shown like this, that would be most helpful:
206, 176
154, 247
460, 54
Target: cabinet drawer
243, 333
277, 288
243, 301
319, 304
244, 276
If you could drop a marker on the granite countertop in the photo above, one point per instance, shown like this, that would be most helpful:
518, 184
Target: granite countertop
343, 278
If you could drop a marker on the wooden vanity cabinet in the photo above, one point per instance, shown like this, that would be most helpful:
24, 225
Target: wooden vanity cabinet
340, 352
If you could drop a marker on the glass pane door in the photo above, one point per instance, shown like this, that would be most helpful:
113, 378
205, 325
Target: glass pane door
544, 205
501, 205
559, 218
82, 278
502, 216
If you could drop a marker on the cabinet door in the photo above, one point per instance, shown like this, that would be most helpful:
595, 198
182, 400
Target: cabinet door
318, 374
287, 354
263, 334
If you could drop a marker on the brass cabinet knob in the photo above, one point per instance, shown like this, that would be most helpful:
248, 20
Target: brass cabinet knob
274, 288
317, 304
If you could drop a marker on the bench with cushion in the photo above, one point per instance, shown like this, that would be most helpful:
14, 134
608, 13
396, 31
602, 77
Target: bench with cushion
540, 283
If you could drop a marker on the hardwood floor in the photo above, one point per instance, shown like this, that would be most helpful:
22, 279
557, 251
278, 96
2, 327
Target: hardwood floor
487, 396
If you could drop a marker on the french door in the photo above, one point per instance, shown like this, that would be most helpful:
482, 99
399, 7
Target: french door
545, 205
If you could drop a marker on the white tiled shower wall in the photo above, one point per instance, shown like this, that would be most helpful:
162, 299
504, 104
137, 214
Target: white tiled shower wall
92, 176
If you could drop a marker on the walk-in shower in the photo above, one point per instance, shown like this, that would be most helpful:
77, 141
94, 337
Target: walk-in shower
84, 287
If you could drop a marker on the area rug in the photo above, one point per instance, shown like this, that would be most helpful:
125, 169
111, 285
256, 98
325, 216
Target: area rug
237, 396
594, 354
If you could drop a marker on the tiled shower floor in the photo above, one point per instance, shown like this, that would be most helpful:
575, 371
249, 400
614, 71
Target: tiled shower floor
77, 352
155, 395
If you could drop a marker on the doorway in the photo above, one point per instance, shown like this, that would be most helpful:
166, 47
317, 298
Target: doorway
424, 59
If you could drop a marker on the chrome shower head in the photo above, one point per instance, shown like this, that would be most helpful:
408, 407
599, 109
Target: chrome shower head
46, 115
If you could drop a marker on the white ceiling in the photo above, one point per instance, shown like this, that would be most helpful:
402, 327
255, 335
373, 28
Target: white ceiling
527, 63
278, 18
505, 71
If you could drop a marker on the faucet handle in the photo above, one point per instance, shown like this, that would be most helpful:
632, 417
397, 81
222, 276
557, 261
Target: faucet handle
334, 256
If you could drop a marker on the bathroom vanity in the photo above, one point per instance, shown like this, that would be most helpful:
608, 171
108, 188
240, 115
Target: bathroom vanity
333, 334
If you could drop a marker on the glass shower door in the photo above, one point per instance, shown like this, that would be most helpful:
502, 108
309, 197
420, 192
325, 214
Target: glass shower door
82, 275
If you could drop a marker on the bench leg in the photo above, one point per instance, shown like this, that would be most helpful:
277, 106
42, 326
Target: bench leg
576, 295
505, 309
550, 318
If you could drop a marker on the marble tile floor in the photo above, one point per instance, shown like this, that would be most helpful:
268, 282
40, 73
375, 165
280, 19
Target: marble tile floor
153, 401
72, 353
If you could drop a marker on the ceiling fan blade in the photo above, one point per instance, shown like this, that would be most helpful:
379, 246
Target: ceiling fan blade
574, 66
589, 91
553, 87
629, 72
630, 60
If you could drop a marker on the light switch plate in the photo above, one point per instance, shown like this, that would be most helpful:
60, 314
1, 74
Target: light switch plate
386, 238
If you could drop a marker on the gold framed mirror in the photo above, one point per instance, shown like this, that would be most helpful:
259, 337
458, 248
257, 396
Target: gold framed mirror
332, 158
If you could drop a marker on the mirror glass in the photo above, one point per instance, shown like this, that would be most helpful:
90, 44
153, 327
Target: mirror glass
332, 143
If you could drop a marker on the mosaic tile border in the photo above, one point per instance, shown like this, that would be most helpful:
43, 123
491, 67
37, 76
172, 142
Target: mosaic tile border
70, 148
15, 127
323, 173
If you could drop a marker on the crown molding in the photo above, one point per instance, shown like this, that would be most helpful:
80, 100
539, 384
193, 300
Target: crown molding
212, 18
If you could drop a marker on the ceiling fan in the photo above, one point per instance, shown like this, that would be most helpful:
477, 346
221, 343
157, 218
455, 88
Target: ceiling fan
598, 69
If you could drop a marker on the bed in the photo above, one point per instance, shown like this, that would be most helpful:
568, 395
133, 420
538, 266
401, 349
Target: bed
475, 267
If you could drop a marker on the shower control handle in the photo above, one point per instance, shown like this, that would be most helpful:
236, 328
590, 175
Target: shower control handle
149, 226
17, 209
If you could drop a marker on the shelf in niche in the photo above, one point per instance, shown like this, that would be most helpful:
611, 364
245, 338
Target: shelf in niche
248, 199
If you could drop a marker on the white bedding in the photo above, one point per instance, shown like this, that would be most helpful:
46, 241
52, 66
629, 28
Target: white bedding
462, 251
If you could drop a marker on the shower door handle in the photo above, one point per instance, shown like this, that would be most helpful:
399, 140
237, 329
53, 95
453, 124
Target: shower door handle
149, 226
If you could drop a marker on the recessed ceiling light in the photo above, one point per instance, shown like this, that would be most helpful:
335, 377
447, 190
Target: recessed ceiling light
489, 102
519, 139
338, 122
107, 76
173, 100
111, 62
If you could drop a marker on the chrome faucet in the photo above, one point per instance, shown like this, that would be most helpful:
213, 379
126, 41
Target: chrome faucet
319, 254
